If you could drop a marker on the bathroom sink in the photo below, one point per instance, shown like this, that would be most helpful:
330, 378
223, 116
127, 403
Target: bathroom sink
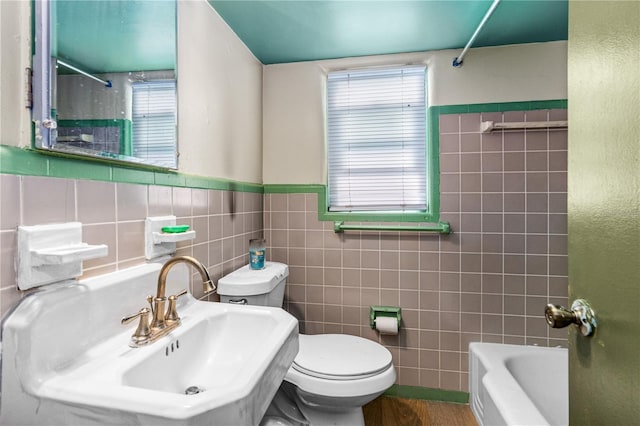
221, 366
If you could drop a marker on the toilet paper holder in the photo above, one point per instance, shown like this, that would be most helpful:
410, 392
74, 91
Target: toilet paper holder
384, 311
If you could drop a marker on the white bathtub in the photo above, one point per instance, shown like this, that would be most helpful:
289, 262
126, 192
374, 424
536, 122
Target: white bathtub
518, 385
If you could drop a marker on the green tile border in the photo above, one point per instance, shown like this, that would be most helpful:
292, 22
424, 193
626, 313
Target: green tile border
325, 215
430, 394
28, 161
500, 107
32, 162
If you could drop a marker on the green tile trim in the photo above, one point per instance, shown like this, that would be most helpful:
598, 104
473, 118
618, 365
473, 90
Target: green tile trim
325, 215
293, 189
499, 107
19, 161
125, 175
76, 169
416, 392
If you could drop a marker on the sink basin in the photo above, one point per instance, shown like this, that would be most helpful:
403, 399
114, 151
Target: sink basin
230, 358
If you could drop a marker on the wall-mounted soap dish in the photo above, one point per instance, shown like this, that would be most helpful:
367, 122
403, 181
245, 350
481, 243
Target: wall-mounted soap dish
52, 253
159, 242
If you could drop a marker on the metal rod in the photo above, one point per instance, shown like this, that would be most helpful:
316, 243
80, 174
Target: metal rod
488, 126
457, 62
86, 74
440, 227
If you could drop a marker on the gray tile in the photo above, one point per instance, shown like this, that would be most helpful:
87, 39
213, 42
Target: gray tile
470, 222
492, 141
131, 201
536, 141
537, 181
558, 161
471, 182
513, 141
470, 162
514, 182
470, 122
9, 202
449, 163
558, 182
492, 162
492, 222
470, 142
537, 203
514, 243
471, 262
537, 244
492, 203
470, 203
449, 123
513, 161
514, 223
492, 182
536, 161
57, 195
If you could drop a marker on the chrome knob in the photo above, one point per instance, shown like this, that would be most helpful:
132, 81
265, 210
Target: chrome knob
580, 314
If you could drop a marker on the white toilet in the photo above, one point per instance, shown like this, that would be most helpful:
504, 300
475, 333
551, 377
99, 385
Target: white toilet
332, 376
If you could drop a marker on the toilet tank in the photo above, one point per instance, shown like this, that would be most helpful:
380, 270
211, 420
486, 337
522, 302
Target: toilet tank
263, 287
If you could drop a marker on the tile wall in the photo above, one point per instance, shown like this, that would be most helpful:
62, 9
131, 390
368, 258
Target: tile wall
114, 214
505, 196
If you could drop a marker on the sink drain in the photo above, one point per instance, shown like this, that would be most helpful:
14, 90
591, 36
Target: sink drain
192, 390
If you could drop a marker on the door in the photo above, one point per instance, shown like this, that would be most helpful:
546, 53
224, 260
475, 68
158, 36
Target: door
604, 209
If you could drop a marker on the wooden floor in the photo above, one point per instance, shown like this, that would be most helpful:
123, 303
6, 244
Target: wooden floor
391, 411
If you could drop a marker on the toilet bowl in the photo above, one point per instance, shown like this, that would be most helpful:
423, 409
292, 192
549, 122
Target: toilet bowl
332, 376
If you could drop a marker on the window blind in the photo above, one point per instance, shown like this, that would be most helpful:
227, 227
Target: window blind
154, 122
377, 140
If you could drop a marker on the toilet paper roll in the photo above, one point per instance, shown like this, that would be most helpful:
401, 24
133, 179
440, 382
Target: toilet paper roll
387, 325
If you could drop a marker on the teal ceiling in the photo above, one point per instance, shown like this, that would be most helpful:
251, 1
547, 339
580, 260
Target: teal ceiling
279, 31
115, 35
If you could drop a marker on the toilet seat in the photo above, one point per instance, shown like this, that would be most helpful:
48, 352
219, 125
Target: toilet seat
341, 365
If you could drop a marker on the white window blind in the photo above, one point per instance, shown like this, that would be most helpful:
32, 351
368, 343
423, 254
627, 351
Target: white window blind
377, 140
154, 122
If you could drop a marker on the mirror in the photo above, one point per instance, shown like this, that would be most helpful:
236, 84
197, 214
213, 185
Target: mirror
111, 79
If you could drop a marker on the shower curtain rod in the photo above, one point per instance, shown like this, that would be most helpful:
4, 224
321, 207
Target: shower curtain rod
457, 62
86, 74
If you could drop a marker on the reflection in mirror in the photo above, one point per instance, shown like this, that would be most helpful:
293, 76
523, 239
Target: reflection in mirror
113, 80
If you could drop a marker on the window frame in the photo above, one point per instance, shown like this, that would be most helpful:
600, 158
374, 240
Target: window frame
431, 214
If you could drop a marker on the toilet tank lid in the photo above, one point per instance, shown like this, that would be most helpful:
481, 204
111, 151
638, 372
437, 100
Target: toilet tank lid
249, 282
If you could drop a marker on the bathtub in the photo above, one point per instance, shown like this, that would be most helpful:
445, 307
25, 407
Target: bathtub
518, 385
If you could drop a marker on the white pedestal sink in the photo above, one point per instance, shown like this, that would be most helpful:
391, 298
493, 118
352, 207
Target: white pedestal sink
66, 359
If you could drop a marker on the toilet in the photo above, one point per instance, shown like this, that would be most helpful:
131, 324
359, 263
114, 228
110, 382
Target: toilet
332, 376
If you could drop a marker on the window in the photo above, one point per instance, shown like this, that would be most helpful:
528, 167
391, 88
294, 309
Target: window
154, 122
377, 148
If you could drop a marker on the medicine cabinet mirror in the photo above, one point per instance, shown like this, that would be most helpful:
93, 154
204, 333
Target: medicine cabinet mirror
104, 79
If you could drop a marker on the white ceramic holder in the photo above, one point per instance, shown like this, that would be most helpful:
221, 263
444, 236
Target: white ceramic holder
158, 243
52, 253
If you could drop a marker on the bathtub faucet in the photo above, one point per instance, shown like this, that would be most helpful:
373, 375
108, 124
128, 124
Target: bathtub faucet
164, 320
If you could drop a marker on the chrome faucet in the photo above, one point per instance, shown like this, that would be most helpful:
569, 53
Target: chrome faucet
164, 320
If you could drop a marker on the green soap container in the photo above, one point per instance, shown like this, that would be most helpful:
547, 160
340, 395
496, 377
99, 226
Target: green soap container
176, 229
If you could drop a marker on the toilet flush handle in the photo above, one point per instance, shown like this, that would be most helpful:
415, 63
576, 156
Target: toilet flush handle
242, 301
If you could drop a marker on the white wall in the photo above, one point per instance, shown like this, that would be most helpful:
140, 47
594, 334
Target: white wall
15, 41
219, 98
293, 133
219, 92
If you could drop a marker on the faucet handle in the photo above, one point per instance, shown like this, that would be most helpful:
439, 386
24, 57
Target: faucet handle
172, 313
143, 332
